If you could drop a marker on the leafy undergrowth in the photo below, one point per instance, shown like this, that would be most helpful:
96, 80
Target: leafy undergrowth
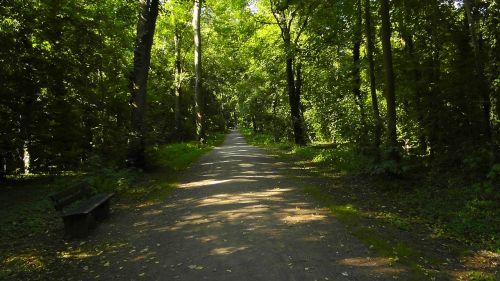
31, 231
432, 223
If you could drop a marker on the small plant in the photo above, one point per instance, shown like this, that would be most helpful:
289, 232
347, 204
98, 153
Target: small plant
387, 167
480, 276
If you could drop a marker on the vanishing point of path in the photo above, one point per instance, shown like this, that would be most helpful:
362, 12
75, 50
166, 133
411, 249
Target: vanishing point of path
237, 217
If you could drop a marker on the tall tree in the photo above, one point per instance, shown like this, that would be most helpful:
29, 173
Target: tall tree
414, 74
178, 82
177, 26
390, 90
370, 48
285, 15
482, 85
356, 89
198, 89
148, 12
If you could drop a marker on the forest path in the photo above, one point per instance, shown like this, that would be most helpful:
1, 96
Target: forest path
237, 217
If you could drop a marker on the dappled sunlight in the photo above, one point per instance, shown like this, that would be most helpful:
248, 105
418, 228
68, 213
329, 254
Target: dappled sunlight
144, 256
365, 261
303, 218
219, 162
141, 224
77, 254
244, 198
228, 216
153, 212
272, 176
227, 250
244, 213
203, 183
26, 261
208, 238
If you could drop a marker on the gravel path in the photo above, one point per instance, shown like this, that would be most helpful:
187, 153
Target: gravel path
237, 217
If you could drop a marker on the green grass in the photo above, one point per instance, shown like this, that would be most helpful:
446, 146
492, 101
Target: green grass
355, 220
178, 156
344, 159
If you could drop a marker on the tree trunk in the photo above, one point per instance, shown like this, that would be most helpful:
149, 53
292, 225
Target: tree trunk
358, 95
198, 89
139, 78
390, 91
370, 46
284, 20
178, 84
26, 158
482, 88
415, 76
298, 93
293, 99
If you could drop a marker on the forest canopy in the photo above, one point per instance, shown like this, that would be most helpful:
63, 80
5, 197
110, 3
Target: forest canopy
112, 79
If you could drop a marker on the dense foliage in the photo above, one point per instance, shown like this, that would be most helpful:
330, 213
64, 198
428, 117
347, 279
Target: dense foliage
282, 67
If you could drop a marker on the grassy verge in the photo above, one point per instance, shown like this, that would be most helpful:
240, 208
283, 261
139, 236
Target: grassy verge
31, 230
429, 226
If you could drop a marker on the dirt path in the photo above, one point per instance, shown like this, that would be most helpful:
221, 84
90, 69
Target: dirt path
235, 217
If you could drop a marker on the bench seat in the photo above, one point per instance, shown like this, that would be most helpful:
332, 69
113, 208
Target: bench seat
79, 210
88, 205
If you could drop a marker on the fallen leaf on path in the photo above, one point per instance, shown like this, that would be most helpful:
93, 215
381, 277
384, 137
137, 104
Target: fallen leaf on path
345, 273
194, 266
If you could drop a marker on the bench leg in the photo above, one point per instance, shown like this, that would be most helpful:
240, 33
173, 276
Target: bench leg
102, 211
77, 226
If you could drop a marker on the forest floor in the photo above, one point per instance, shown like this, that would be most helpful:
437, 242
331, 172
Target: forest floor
240, 213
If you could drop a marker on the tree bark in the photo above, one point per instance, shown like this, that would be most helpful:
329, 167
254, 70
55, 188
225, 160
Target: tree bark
370, 46
414, 76
178, 84
293, 99
139, 78
482, 88
358, 95
415, 73
298, 93
390, 91
198, 89
284, 21
26, 158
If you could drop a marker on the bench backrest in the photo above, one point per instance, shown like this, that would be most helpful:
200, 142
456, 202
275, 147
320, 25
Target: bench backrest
69, 196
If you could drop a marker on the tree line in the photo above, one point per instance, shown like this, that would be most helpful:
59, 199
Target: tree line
112, 79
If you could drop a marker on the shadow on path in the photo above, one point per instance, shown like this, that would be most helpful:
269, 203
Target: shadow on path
236, 217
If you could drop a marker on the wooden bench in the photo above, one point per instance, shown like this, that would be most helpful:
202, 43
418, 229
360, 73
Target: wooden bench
80, 210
